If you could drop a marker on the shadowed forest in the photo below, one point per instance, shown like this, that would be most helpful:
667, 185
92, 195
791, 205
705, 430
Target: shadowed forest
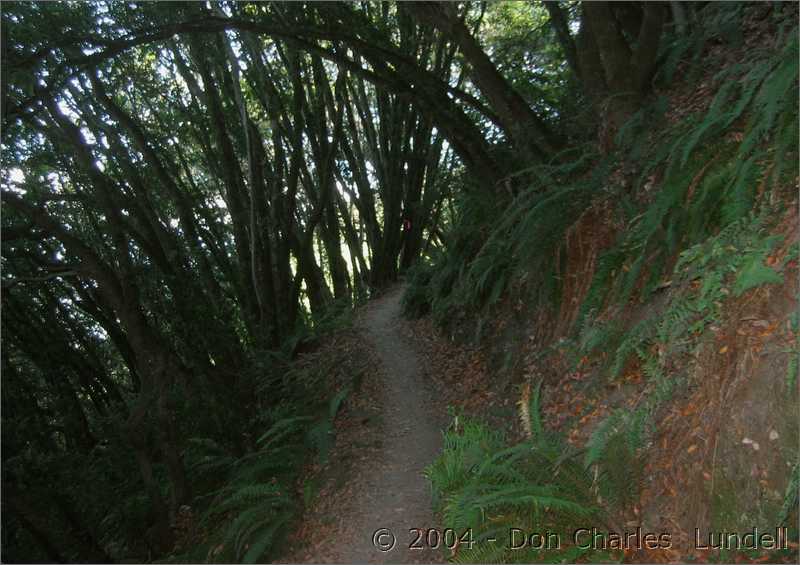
282, 281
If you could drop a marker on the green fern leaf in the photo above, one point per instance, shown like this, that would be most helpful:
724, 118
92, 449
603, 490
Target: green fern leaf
755, 273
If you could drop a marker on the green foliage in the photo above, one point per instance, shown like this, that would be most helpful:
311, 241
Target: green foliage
754, 272
614, 455
790, 499
708, 182
700, 282
482, 485
791, 371
250, 511
520, 235
416, 298
721, 23
256, 502
703, 189
701, 219
320, 435
710, 266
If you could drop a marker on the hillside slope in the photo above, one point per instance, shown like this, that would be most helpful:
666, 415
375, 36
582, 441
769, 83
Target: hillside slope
639, 310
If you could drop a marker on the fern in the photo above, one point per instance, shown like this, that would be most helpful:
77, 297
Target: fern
791, 371
613, 455
258, 511
487, 487
281, 430
790, 498
708, 182
753, 272
705, 230
256, 501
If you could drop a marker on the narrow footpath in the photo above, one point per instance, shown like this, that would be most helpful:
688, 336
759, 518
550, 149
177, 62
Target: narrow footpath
384, 489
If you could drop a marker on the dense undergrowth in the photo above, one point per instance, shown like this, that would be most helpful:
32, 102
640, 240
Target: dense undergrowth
247, 501
693, 200
538, 485
252, 499
246, 497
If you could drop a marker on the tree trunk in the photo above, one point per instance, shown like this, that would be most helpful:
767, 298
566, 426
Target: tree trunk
627, 65
561, 28
529, 134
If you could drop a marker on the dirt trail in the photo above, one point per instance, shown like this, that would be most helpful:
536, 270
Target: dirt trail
395, 495
380, 484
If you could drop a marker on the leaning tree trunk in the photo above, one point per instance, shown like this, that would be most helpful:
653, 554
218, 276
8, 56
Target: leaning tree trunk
627, 66
530, 135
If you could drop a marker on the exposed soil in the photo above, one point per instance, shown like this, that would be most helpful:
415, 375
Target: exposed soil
388, 432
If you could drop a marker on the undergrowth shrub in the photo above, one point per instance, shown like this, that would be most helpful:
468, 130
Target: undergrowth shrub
248, 512
714, 167
702, 219
250, 494
416, 300
728, 263
710, 169
483, 488
491, 245
713, 214
697, 230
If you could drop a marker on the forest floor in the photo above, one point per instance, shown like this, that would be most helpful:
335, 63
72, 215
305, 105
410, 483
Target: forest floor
388, 431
